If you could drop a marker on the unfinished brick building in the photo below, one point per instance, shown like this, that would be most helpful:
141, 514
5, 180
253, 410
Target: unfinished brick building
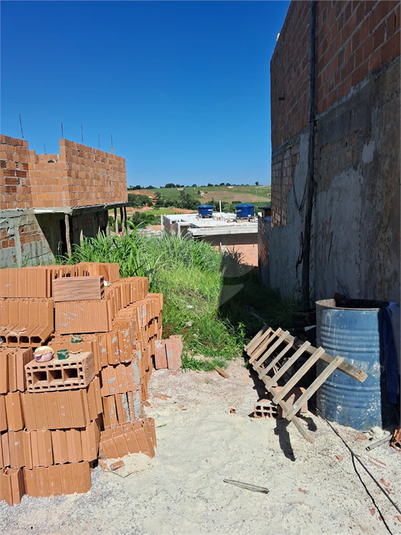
49, 202
335, 122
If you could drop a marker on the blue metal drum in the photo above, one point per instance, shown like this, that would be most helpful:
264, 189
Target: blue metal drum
352, 329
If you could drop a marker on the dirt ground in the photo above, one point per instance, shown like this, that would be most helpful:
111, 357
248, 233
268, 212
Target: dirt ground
313, 488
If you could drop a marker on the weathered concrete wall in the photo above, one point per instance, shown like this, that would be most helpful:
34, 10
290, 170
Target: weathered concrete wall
26, 243
355, 245
357, 207
33, 239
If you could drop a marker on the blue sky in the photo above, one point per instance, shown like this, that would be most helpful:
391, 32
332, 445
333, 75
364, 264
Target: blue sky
183, 87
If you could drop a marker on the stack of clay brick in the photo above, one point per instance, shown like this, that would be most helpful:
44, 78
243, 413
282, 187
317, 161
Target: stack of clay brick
57, 417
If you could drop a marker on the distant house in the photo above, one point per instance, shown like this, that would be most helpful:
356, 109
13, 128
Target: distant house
335, 221
49, 202
222, 230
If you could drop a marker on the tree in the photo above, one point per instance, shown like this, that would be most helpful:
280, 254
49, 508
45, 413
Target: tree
257, 183
170, 185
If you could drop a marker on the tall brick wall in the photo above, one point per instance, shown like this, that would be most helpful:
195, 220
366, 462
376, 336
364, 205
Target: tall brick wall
355, 244
353, 39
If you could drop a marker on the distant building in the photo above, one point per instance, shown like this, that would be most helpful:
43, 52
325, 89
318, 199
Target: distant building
222, 230
49, 202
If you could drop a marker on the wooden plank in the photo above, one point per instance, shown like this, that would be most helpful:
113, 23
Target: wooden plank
298, 375
345, 367
257, 339
290, 362
264, 346
266, 355
273, 363
313, 387
298, 423
257, 336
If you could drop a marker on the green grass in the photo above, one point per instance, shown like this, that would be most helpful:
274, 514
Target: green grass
209, 298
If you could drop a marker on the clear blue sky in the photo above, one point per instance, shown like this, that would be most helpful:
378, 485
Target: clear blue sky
183, 87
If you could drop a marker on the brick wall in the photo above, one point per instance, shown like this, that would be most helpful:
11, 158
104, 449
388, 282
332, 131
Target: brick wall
355, 233
15, 190
353, 39
283, 169
289, 71
78, 176
94, 176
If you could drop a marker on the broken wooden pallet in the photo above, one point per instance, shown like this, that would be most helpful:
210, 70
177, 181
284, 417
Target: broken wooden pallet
272, 355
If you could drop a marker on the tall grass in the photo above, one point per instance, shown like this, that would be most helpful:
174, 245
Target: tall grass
210, 298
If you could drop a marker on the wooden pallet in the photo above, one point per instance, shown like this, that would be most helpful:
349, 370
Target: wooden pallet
273, 355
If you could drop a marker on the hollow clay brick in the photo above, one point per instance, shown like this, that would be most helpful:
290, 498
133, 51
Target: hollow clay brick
14, 412
3, 416
77, 371
11, 485
160, 355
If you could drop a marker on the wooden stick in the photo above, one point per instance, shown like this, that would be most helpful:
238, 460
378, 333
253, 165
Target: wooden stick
266, 355
313, 387
263, 345
221, 372
273, 363
290, 362
257, 339
297, 376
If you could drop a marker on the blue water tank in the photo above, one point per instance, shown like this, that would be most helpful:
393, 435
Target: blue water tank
352, 329
205, 210
244, 210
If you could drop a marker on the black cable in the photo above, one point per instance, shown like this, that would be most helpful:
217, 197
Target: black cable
369, 494
354, 456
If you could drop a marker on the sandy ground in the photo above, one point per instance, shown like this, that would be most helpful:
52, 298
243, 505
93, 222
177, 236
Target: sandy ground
313, 487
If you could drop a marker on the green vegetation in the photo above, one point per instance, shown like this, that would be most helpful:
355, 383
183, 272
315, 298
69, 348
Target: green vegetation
209, 298
170, 196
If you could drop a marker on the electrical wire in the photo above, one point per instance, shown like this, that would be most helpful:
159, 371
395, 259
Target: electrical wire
353, 457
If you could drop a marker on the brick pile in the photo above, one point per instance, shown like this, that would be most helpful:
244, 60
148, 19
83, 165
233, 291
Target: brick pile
58, 417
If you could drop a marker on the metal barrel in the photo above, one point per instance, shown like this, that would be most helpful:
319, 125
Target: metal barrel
352, 329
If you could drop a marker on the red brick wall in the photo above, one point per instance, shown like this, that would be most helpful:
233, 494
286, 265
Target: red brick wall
78, 176
94, 176
283, 170
15, 190
289, 71
353, 39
